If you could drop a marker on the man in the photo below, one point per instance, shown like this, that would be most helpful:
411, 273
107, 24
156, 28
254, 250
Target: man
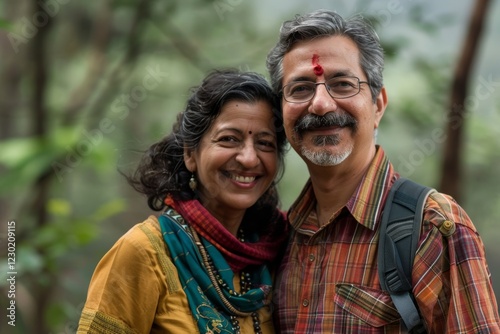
328, 72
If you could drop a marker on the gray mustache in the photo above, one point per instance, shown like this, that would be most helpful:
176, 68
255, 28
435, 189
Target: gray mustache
311, 121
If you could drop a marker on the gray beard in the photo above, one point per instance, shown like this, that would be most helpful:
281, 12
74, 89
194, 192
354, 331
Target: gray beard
323, 157
326, 140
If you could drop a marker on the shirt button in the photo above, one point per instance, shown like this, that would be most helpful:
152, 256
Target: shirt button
305, 303
311, 257
447, 228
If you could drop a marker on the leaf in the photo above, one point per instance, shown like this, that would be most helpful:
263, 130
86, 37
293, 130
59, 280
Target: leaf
5, 25
13, 151
26, 160
66, 149
109, 209
83, 232
59, 207
58, 312
29, 260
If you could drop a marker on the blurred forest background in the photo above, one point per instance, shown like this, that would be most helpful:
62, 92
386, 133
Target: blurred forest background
85, 86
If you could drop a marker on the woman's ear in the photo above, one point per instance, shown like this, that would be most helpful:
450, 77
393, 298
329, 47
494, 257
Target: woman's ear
189, 159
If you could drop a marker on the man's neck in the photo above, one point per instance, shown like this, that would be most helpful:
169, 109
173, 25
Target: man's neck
333, 186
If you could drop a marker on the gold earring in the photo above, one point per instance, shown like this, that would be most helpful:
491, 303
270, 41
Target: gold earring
192, 183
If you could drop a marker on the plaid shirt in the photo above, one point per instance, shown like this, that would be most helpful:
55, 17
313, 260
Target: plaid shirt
328, 281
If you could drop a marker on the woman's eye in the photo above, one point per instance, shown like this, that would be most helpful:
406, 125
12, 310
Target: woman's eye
266, 144
227, 139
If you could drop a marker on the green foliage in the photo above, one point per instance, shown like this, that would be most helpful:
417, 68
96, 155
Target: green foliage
5, 24
88, 76
419, 14
27, 159
58, 313
40, 254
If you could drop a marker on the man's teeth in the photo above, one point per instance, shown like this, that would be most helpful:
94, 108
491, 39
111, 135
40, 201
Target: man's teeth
244, 179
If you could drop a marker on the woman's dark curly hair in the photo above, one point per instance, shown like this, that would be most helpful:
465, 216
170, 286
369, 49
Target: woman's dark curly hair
162, 170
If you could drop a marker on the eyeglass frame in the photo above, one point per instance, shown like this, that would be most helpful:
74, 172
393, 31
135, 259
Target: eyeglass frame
326, 87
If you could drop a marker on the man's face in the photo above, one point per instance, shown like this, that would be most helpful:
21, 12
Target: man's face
327, 131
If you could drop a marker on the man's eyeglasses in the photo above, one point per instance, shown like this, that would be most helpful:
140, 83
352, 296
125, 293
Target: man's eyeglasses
338, 88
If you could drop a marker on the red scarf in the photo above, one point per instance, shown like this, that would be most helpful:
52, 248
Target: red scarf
238, 254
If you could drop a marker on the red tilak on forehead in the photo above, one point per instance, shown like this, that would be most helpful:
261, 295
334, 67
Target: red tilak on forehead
317, 69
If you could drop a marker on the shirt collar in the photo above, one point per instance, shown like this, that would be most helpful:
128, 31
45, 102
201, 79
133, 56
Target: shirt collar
365, 204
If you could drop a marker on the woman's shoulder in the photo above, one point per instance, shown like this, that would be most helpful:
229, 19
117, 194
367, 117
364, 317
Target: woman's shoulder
149, 225
141, 241
140, 232
144, 242
146, 236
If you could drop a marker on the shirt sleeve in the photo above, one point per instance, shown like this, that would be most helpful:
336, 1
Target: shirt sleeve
452, 282
124, 290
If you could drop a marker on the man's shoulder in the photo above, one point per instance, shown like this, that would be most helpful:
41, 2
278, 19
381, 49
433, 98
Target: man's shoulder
442, 211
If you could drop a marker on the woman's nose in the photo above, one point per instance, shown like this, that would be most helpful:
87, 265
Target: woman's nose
248, 157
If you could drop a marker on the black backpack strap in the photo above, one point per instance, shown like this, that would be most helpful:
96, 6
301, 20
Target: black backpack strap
399, 235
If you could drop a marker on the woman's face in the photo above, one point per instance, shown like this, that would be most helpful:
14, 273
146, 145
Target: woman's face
236, 159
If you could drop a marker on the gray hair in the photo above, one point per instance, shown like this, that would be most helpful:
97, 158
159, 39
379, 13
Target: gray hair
323, 23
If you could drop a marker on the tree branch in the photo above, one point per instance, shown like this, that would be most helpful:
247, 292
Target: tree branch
451, 172
101, 36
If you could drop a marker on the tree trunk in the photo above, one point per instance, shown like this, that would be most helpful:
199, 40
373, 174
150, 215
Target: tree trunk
451, 172
41, 186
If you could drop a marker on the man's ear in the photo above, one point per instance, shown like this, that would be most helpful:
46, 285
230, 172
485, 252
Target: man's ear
189, 159
380, 105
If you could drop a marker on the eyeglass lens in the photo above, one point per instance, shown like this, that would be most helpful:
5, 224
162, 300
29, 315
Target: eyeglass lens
338, 87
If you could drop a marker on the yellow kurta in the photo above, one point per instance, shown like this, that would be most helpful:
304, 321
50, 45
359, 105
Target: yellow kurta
136, 289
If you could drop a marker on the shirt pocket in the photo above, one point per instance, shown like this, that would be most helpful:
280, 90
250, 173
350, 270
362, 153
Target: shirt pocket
372, 306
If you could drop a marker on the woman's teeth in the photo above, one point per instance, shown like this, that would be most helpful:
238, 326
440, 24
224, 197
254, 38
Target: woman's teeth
244, 179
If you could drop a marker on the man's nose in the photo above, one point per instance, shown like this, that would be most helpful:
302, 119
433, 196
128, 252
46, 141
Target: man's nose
322, 102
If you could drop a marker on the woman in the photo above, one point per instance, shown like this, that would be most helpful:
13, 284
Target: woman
203, 266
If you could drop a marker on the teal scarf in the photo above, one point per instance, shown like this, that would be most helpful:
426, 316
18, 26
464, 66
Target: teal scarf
207, 307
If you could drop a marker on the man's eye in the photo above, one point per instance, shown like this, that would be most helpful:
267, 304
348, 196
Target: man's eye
342, 84
301, 89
